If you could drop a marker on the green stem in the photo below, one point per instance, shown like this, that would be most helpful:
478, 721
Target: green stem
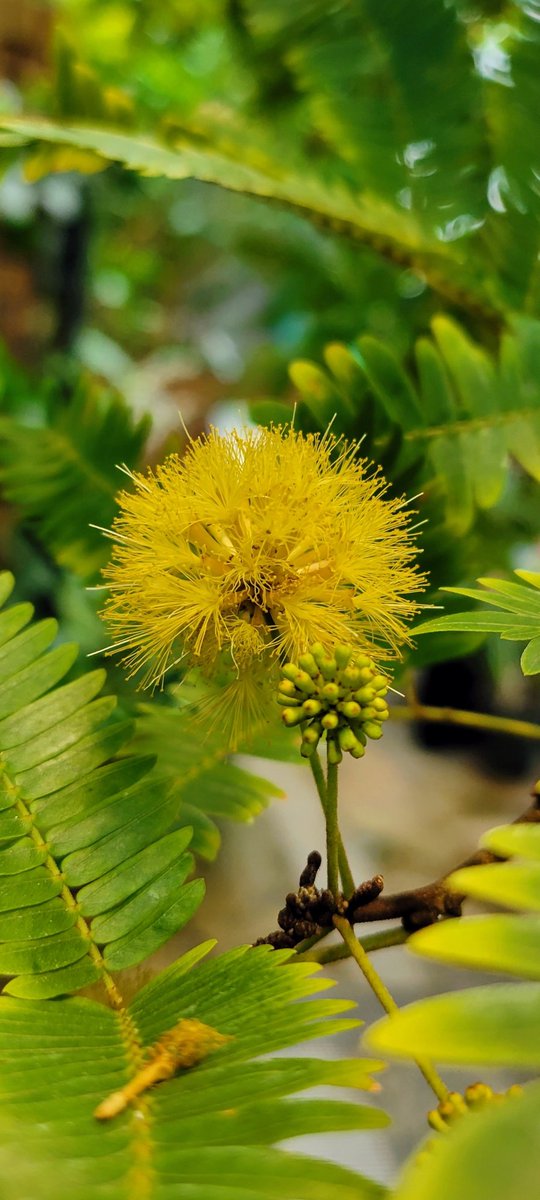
332, 828
459, 716
347, 878
372, 941
385, 998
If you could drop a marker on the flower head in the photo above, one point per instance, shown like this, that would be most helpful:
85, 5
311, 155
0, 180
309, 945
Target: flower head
250, 548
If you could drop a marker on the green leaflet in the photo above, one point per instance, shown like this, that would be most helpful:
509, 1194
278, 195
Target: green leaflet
495, 943
69, 815
517, 618
207, 1132
101, 895
509, 840
513, 885
493, 1026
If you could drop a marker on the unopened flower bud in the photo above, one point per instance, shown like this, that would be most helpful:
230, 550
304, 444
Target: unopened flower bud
334, 754
349, 708
372, 730
335, 695
478, 1094
290, 671
312, 733
310, 739
350, 677
293, 716
436, 1121
342, 655
347, 739
307, 663
305, 683
457, 1103
307, 749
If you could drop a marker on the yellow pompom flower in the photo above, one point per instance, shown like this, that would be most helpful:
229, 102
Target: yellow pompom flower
248, 549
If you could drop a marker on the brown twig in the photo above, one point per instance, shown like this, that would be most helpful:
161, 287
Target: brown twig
309, 912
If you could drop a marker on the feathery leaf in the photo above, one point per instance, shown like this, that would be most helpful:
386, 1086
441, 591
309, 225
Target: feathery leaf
517, 618
207, 1133
63, 476
72, 815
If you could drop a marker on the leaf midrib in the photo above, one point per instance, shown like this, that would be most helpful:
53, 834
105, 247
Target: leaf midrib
141, 1174
471, 424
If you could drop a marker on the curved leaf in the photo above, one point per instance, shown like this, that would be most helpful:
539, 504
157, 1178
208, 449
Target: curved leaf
495, 1025
518, 839
494, 943
514, 885
449, 431
517, 620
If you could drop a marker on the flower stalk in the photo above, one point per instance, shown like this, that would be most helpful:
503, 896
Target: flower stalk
332, 827
347, 878
386, 1000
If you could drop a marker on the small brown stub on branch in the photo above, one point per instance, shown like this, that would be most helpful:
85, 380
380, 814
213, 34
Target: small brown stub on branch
182, 1047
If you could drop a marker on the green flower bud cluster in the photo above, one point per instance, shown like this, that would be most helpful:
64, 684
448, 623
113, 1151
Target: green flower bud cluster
475, 1097
341, 695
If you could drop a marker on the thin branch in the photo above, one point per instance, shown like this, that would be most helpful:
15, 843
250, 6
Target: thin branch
332, 828
309, 914
395, 936
347, 878
386, 1000
459, 716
